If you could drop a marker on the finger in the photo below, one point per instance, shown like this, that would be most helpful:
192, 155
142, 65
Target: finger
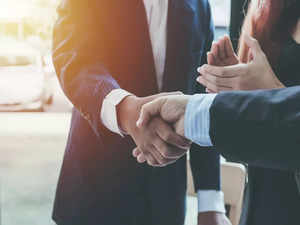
140, 156
206, 84
227, 82
222, 49
211, 86
150, 158
209, 91
229, 51
159, 158
160, 95
163, 149
211, 59
167, 134
149, 154
254, 45
168, 151
169, 93
149, 111
222, 71
214, 49
215, 52
136, 152
206, 89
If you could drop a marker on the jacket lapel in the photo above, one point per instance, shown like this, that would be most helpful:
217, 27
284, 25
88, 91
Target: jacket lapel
137, 43
149, 76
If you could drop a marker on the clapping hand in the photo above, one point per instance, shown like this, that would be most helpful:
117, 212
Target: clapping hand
223, 75
222, 53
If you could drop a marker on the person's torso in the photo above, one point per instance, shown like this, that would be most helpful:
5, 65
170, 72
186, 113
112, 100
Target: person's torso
274, 196
103, 164
142, 51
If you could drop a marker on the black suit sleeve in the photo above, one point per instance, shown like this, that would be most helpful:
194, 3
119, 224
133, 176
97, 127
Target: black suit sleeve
205, 164
261, 128
80, 57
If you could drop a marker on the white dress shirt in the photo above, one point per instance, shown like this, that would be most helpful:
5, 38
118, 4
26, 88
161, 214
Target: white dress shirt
157, 15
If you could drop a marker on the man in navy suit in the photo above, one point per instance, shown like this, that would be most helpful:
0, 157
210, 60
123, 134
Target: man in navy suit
112, 57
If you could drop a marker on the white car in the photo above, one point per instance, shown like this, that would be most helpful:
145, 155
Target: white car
23, 81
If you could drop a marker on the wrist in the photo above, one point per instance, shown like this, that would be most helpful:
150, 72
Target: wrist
127, 111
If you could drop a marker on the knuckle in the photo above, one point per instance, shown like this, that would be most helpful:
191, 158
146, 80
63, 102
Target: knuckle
165, 152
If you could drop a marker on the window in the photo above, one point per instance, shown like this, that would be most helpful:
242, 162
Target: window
221, 12
221, 15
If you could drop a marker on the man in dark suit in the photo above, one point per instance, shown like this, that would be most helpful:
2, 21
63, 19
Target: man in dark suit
106, 53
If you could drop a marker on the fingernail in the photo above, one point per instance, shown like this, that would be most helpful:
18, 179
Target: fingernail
199, 69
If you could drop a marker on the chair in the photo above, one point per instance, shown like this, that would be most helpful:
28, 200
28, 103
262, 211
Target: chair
233, 184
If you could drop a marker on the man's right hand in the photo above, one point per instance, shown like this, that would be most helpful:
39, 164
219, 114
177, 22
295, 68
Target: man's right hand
170, 109
157, 139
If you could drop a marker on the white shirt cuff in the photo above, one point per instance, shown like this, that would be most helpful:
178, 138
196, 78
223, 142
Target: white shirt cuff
211, 201
197, 119
109, 110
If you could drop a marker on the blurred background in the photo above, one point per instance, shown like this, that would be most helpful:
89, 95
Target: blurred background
35, 114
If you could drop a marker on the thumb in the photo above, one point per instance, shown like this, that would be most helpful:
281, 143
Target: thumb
254, 46
168, 94
150, 110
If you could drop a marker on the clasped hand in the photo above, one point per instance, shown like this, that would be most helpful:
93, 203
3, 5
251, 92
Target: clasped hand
156, 140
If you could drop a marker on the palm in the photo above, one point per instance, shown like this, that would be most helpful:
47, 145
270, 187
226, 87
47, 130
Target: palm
228, 61
222, 53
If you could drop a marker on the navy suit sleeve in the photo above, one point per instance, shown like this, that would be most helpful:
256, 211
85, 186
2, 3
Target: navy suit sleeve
80, 59
264, 127
205, 164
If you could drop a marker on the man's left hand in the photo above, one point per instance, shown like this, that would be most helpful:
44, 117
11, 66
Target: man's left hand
213, 218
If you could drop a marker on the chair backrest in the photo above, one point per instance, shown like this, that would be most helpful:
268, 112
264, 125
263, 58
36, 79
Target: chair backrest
233, 185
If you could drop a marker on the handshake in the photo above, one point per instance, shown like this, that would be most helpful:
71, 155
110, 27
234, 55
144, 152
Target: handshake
156, 124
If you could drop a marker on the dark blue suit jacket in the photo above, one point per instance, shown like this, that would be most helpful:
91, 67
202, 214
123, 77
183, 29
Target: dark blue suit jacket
101, 45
